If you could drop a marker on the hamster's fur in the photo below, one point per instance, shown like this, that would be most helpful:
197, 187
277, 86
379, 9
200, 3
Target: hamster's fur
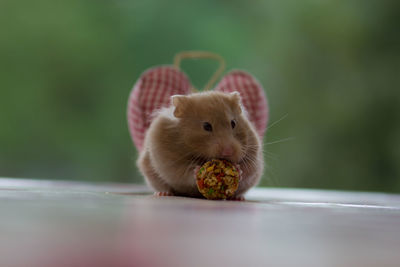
194, 129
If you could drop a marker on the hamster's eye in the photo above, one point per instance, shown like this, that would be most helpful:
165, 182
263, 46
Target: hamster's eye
233, 123
207, 126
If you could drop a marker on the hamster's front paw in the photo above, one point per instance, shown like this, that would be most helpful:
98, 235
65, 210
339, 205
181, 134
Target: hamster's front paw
237, 166
196, 170
237, 198
163, 194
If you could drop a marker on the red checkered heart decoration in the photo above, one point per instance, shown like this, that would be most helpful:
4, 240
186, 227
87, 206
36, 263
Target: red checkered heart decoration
155, 87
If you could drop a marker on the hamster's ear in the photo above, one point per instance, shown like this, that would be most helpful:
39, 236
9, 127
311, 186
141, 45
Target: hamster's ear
180, 103
236, 102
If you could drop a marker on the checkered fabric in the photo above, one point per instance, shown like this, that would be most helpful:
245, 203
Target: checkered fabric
155, 87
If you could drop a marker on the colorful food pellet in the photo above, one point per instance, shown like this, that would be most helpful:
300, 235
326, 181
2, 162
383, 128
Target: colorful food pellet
217, 179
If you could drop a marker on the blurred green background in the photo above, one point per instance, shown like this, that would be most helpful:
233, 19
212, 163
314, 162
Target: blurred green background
330, 69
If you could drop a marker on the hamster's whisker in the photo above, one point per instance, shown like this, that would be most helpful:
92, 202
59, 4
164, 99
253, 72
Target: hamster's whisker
253, 148
275, 122
249, 164
280, 141
251, 160
249, 148
270, 155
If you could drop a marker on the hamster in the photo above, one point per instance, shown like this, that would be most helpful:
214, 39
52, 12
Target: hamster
194, 129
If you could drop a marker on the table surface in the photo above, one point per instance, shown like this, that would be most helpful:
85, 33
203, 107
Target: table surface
48, 223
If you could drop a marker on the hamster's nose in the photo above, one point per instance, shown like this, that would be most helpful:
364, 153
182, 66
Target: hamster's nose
227, 151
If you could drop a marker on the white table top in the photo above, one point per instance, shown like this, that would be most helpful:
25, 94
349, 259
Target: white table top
46, 223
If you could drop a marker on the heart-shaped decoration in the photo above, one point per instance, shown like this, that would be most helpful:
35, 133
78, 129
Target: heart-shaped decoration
155, 87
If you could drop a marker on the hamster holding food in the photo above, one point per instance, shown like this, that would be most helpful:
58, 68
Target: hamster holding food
194, 129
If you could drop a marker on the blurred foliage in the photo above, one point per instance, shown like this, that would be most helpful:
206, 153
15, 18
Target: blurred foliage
330, 69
